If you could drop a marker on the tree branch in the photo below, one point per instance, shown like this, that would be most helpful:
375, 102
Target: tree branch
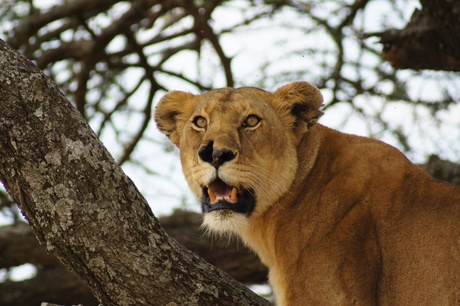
51, 284
429, 41
85, 210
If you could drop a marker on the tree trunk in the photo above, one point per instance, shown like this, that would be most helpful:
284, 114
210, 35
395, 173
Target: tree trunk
85, 210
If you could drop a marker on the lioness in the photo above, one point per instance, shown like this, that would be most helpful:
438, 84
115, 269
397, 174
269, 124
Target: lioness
338, 219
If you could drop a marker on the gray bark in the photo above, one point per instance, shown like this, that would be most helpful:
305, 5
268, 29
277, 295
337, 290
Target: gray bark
85, 210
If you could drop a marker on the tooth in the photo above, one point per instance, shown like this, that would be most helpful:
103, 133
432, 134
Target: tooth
212, 196
233, 195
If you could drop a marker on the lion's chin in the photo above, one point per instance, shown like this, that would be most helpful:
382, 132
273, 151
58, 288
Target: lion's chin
225, 222
220, 196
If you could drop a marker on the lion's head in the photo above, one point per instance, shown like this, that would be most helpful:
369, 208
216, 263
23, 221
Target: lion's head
238, 147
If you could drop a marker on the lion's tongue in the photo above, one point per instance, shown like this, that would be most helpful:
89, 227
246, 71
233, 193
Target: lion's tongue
218, 191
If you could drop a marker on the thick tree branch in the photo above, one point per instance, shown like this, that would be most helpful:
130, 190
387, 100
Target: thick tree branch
51, 284
85, 210
429, 41
19, 246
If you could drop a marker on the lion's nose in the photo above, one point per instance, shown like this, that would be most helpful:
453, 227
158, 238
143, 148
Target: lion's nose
215, 157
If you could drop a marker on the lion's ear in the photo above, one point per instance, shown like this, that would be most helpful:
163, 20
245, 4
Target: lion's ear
301, 102
172, 112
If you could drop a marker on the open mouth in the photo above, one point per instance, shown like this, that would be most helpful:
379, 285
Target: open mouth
218, 196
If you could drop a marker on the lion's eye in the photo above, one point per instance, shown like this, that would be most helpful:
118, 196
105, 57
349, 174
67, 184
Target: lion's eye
200, 122
251, 121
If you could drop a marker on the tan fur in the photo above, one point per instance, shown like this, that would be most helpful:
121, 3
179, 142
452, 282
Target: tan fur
339, 219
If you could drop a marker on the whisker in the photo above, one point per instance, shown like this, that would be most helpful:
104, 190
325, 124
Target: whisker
266, 177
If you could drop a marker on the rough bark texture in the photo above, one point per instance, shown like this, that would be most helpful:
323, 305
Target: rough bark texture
85, 210
430, 40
